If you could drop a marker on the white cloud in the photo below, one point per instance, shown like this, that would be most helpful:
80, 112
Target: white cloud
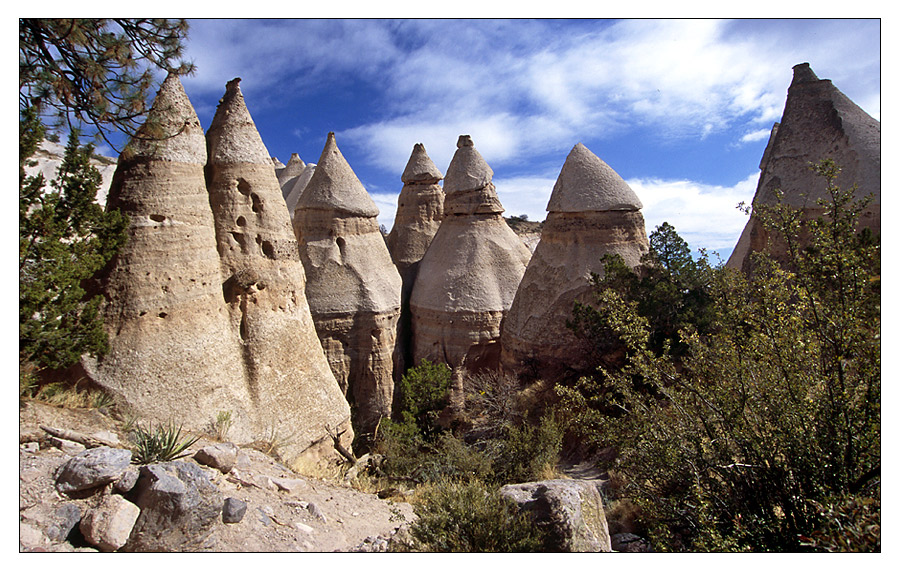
754, 136
704, 215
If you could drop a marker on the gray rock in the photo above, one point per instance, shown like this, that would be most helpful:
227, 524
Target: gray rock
315, 511
128, 480
31, 447
630, 543
179, 506
109, 525
67, 446
92, 468
233, 511
570, 510
222, 456
55, 522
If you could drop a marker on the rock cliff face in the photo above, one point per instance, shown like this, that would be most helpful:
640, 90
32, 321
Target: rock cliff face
591, 212
420, 209
295, 186
172, 351
818, 122
469, 275
353, 287
290, 383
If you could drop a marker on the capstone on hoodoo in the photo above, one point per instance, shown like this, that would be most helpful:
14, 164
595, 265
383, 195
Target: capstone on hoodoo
818, 122
352, 286
591, 212
468, 277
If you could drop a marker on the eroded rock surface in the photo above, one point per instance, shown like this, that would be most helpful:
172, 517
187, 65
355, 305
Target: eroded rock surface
818, 122
468, 277
291, 388
591, 212
352, 286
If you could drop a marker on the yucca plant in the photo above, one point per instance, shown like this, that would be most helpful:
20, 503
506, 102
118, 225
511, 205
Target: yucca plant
162, 444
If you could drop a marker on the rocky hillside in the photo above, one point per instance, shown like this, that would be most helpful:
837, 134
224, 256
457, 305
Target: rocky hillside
222, 497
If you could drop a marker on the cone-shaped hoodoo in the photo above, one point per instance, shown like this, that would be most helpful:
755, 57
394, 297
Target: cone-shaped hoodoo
419, 212
173, 355
591, 212
818, 122
468, 277
353, 287
292, 387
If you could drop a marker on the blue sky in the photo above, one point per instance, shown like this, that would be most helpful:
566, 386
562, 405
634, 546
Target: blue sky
681, 109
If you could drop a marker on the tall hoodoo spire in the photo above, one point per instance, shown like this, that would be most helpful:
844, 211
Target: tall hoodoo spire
263, 282
592, 212
818, 122
172, 353
420, 209
353, 287
468, 276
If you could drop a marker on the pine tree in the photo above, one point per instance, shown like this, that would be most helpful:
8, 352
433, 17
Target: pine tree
65, 237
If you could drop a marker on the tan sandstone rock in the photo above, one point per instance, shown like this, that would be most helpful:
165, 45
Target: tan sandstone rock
420, 209
818, 122
291, 387
290, 171
295, 187
468, 277
173, 355
591, 212
352, 286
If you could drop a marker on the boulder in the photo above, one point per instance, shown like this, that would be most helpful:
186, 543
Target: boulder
468, 276
818, 122
352, 286
179, 506
222, 456
92, 468
109, 525
292, 390
591, 212
55, 521
571, 511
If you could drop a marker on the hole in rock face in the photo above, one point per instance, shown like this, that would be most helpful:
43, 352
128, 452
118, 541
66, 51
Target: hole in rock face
243, 187
163, 315
341, 244
257, 203
157, 217
241, 221
268, 249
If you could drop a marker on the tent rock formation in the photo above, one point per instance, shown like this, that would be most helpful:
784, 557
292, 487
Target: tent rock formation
353, 287
176, 351
468, 277
591, 212
818, 122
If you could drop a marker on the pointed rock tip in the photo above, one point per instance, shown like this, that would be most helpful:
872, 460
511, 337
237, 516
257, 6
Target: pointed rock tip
587, 184
803, 74
420, 167
468, 170
334, 186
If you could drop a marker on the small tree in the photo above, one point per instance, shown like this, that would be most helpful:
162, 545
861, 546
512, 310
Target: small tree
65, 237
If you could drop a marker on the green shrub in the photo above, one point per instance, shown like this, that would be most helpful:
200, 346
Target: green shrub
470, 517
160, 444
766, 413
